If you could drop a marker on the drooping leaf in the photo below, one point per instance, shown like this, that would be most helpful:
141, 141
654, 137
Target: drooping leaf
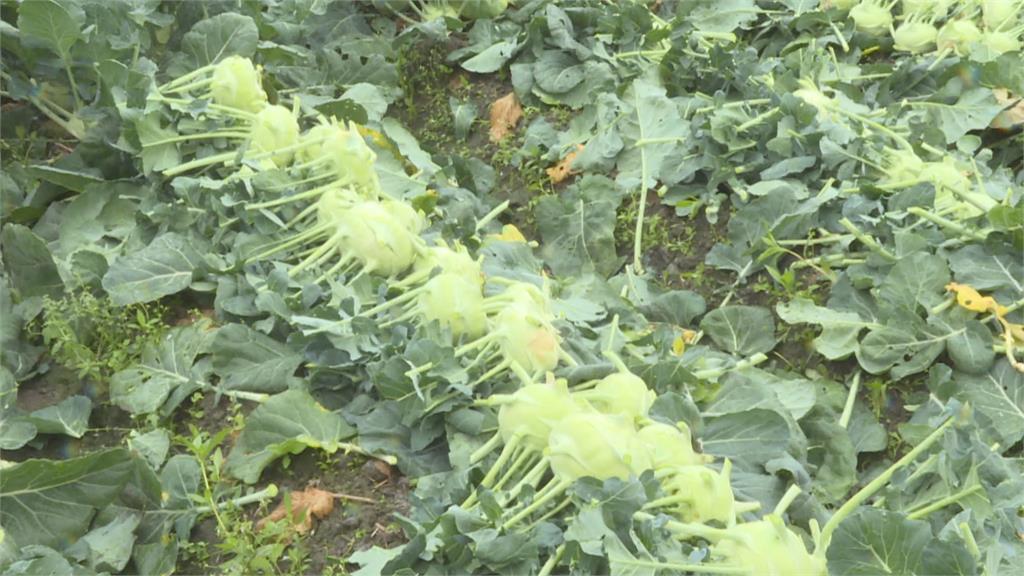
578, 227
51, 503
751, 438
974, 110
840, 330
50, 23
743, 330
29, 263
998, 396
164, 267
70, 416
223, 35
873, 541
287, 423
247, 360
166, 374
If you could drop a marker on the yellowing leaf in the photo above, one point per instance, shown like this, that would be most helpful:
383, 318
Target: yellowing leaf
969, 298
509, 233
505, 114
563, 169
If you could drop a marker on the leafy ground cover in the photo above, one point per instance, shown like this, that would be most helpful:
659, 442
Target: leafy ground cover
300, 286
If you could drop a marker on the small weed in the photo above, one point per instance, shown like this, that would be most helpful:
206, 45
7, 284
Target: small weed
242, 548
94, 337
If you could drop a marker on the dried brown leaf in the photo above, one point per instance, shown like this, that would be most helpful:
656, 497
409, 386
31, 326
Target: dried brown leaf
505, 114
1012, 116
305, 505
564, 169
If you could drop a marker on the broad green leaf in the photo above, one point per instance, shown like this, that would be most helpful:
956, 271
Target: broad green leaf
180, 479
998, 397
52, 502
29, 263
900, 350
622, 562
156, 157
162, 268
743, 330
370, 98
247, 360
657, 131
838, 338
970, 347
578, 227
221, 36
873, 541
491, 59
751, 438
287, 423
722, 15
152, 446
986, 270
830, 449
974, 110
917, 280
34, 560
557, 72
70, 417
100, 212
50, 23
70, 179
109, 547
679, 307
166, 374
372, 560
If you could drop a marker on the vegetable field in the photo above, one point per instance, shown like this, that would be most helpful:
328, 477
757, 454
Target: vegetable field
633, 287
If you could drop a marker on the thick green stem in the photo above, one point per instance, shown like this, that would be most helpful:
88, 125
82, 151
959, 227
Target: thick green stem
200, 163
488, 447
851, 397
491, 215
189, 137
940, 504
548, 566
946, 223
877, 484
867, 240
266, 494
559, 487
787, 499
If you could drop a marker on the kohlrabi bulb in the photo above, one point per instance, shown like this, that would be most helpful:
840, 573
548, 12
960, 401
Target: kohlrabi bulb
670, 446
381, 234
456, 302
275, 128
1001, 42
703, 494
914, 36
533, 411
1000, 14
597, 445
768, 548
957, 35
527, 337
236, 84
621, 393
871, 17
